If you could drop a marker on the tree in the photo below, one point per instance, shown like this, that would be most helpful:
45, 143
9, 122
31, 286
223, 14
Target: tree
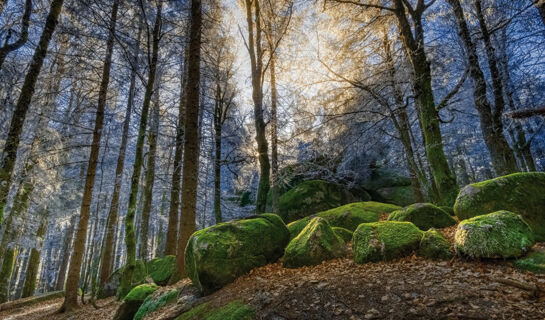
70, 301
27, 91
23, 37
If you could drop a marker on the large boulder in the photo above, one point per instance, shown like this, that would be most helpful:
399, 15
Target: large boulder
316, 243
139, 276
424, 216
385, 240
349, 216
522, 193
235, 310
311, 197
217, 255
133, 300
434, 246
388, 185
500, 234
155, 301
160, 269
533, 262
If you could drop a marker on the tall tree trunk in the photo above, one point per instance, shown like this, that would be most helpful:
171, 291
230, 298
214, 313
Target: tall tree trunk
218, 126
106, 266
23, 38
150, 173
34, 261
256, 60
444, 178
274, 135
70, 302
503, 159
130, 237
27, 91
191, 145
65, 252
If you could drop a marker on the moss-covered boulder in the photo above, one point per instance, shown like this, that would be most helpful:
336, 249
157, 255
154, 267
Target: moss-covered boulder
217, 255
434, 246
424, 216
236, 310
385, 240
522, 193
155, 301
133, 300
349, 216
139, 275
160, 269
500, 234
311, 197
388, 185
533, 262
379, 207
447, 209
316, 243
344, 233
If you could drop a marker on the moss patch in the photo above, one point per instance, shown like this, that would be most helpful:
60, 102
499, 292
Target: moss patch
500, 234
522, 193
533, 262
160, 269
379, 207
434, 246
316, 243
344, 233
448, 210
217, 255
133, 300
154, 302
236, 310
424, 216
139, 275
385, 240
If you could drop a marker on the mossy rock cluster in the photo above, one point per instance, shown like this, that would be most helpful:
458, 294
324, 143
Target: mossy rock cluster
385, 240
500, 234
160, 269
133, 300
236, 310
379, 207
349, 216
424, 216
317, 242
533, 262
388, 185
139, 275
344, 233
217, 255
311, 197
434, 246
521, 193
155, 301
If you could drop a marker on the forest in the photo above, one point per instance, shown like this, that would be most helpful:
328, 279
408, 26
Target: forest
272, 159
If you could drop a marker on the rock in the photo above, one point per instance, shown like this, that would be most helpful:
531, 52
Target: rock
155, 301
160, 269
344, 233
424, 216
501, 234
401, 195
521, 193
311, 197
133, 300
236, 310
349, 216
533, 262
139, 276
449, 210
217, 255
388, 185
379, 207
109, 288
434, 246
317, 242
385, 240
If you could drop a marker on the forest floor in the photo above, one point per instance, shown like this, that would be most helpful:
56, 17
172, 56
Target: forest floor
408, 288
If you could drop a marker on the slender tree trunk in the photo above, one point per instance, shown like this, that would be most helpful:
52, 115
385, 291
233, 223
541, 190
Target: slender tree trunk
34, 261
27, 91
23, 38
130, 237
191, 145
218, 124
65, 252
274, 136
70, 301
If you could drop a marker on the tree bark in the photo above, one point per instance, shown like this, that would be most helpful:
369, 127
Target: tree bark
23, 38
274, 135
191, 145
27, 91
218, 126
66, 249
70, 302
34, 261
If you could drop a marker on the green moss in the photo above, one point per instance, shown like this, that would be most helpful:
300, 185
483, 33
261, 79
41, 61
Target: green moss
140, 292
434, 246
217, 255
522, 193
424, 216
533, 262
447, 209
349, 216
311, 197
133, 300
316, 243
500, 234
160, 269
236, 310
139, 275
379, 207
153, 302
385, 240
344, 233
